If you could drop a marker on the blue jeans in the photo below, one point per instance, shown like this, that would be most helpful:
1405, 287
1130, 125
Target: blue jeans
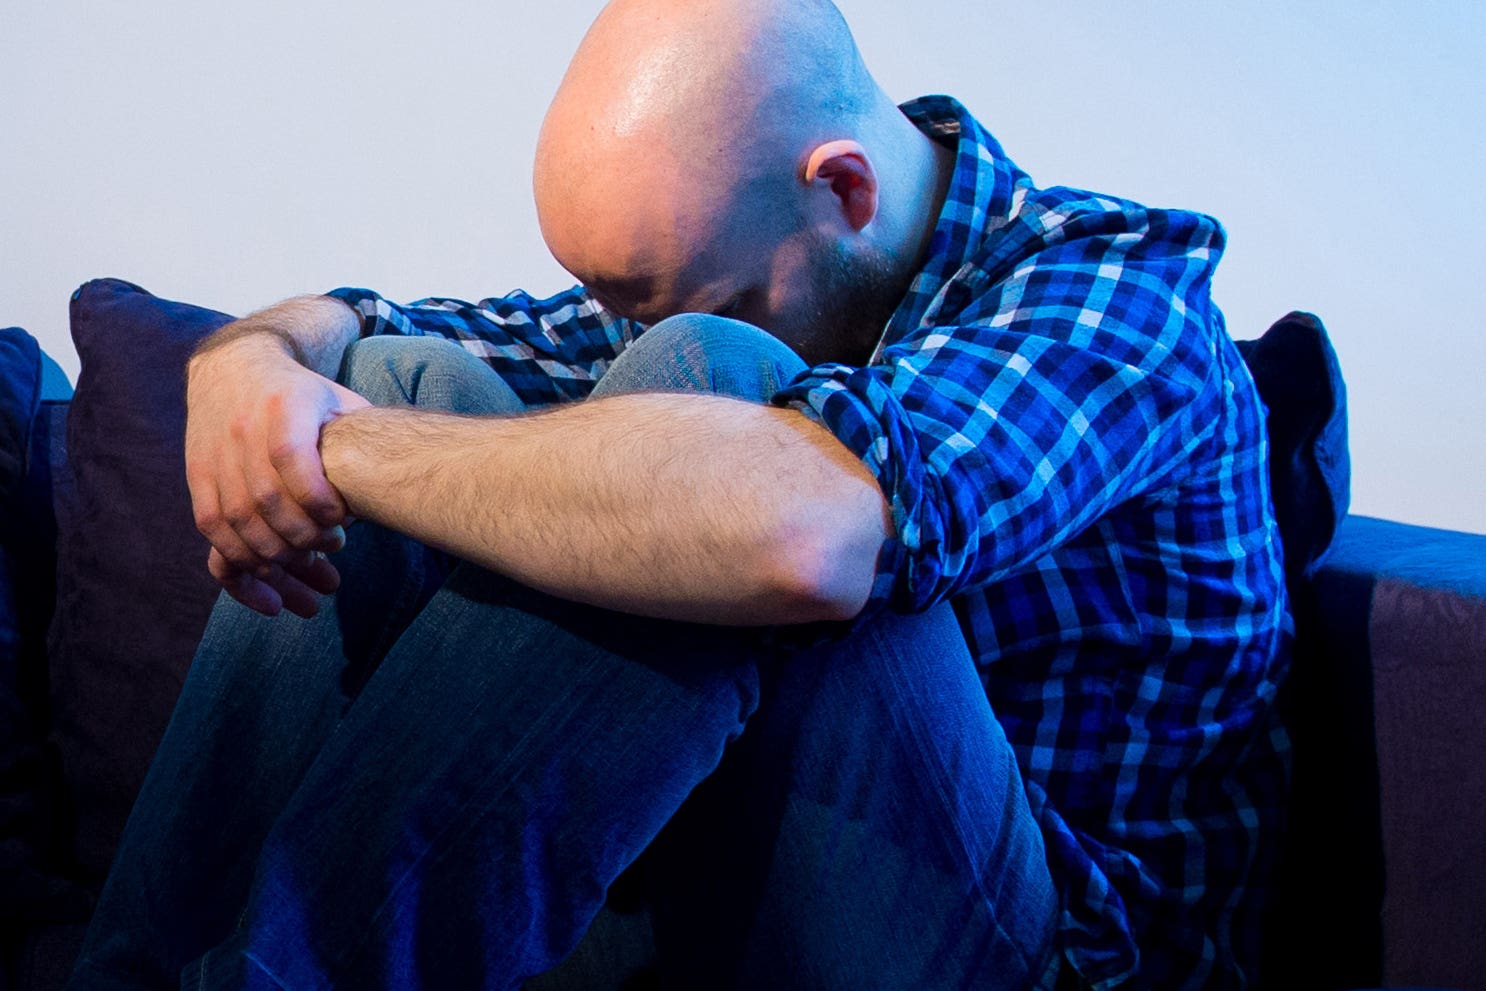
434, 783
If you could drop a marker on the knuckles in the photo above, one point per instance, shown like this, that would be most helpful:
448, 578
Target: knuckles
208, 521
283, 453
267, 501
237, 514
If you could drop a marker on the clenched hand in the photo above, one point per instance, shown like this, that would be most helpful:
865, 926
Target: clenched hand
258, 488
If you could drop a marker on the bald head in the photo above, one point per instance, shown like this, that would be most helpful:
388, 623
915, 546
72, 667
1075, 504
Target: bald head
684, 132
685, 70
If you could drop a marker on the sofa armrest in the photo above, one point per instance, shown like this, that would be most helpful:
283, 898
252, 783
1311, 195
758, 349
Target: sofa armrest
1387, 854
1427, 635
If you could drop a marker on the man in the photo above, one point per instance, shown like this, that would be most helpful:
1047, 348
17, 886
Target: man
727, 634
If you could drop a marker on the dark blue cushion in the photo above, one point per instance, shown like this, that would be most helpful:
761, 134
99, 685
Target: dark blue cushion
133, 592
33, 834
1310, 468
20, 393
20, 379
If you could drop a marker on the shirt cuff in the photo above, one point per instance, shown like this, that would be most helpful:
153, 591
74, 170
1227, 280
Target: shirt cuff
861, 411
373, 310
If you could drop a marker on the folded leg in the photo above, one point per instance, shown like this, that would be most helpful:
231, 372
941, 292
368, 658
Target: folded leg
459, 824
869, 830
261, 697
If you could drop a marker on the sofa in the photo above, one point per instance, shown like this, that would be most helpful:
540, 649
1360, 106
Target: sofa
1381, 879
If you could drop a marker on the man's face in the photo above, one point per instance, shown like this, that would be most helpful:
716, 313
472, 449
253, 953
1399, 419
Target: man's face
838, 304
823, 300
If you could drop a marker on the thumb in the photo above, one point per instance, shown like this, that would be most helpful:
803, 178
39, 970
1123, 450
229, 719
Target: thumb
346, 401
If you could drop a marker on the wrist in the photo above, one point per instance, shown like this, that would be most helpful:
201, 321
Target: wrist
339, 452
234, 334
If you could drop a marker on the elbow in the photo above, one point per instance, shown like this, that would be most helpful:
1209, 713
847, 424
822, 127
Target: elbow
826, 565
823, 596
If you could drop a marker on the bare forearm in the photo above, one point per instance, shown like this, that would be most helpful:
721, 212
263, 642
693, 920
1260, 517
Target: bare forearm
688, 507
315, 329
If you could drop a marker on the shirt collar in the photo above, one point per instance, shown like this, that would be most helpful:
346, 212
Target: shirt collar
983, 194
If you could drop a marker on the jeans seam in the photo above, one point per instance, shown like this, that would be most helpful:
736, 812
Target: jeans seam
254, 961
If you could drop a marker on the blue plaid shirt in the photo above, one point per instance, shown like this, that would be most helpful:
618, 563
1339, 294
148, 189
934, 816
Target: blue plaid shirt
1075, 456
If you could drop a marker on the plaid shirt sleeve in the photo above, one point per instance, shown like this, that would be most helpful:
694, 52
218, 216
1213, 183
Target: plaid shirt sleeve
1069, 369
548, 350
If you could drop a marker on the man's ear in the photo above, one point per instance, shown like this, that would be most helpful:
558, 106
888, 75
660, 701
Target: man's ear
843, 165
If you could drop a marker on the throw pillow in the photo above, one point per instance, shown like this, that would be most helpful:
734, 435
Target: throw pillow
1310, 469
133, 592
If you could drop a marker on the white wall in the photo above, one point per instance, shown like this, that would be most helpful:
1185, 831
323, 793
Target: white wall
233, 154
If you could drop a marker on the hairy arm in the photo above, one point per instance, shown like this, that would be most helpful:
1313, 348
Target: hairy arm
313, 330
689, 507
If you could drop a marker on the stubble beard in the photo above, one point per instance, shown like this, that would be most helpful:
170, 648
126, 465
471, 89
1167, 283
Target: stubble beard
855, 295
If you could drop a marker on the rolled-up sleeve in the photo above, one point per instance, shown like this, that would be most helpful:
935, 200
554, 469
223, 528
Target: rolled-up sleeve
1077, 383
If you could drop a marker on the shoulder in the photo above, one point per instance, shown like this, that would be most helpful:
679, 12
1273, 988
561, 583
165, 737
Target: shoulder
1072, 226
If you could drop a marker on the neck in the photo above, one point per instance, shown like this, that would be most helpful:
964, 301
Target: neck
923, 169
935, 167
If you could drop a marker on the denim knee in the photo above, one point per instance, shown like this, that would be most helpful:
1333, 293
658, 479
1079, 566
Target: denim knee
698, 352
428, 372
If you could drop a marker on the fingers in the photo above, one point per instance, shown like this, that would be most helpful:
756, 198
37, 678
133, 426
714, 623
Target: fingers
215, 524
258, 488
242, 517
331, 540
302, 581
242, 586
296, 586
253, 530
298, 598
314, 571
